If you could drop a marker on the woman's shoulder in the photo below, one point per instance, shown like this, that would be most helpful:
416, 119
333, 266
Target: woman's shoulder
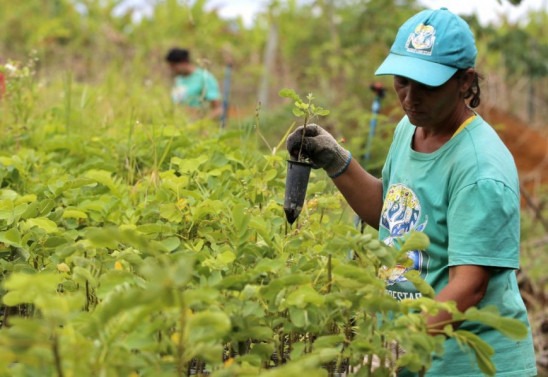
480, 154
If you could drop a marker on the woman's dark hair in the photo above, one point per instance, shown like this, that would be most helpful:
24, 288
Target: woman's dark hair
474, 92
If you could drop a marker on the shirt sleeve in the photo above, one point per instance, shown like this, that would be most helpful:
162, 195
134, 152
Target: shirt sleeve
484, 226
387, 167
212, 91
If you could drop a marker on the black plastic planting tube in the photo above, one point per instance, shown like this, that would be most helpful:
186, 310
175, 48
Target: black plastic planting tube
296, 183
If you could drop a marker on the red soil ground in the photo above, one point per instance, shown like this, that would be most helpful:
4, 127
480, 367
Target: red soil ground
528, 145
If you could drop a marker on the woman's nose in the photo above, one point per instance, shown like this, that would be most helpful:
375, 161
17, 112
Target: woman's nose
412, 94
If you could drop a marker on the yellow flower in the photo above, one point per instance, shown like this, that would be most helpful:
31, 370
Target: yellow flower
229, 362
118, 266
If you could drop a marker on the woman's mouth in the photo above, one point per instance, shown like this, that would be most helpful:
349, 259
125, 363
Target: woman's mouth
414, 113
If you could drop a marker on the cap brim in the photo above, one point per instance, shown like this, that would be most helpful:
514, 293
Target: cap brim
423, 71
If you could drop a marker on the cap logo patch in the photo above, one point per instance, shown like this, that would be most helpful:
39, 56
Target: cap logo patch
421, 40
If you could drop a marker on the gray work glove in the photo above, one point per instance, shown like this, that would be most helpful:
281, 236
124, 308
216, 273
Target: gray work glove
320, 148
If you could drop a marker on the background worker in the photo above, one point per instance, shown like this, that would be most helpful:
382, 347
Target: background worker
193, 87
449, 175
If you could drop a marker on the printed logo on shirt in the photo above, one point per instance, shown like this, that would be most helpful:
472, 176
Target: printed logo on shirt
401, 214
421, 40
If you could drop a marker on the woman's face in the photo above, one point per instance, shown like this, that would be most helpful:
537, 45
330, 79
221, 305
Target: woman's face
182, 68
431, 106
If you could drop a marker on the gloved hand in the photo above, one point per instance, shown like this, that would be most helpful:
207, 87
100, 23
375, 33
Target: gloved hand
321, 148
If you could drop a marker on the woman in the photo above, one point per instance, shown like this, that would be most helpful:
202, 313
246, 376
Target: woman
448, 175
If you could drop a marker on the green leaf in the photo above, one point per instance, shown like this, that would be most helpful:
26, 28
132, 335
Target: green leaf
207, 326
45, 207
298, 350
171, 243
298, 112
263, 350
260, 333
241, 219
301, 105
11, 213
289, 93
304, 296
31, 211
112, 279
261, 227
322, 112
154, 228
357, 274
482, 350
422, 286
277, 285
103, 177
415, 241
233, 282
74, 214
189, 165
248, 359
26, 288
329, 341
510, 327
210, 353
83, 275
269, 175
11, 237
171, 212
298, 317
43, 223
220, 261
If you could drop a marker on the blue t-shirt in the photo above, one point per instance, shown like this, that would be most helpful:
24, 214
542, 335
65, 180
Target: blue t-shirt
465, 197
195, 89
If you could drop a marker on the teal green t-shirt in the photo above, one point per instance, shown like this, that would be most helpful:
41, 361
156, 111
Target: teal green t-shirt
195, 89
465, 197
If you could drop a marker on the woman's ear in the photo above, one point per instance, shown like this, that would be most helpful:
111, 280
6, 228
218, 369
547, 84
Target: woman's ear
467, 80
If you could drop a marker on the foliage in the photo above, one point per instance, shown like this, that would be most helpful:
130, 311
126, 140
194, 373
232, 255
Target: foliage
523, 53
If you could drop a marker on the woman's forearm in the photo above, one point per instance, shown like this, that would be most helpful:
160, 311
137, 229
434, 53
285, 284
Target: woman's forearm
362, 191
467, 286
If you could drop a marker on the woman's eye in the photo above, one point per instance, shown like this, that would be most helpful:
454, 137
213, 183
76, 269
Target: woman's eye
430, 88
401, 81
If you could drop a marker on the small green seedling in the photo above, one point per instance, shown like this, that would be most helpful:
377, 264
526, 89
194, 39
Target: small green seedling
304, 109
298, 172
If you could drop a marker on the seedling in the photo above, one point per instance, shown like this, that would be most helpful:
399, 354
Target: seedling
298, 171
304, 109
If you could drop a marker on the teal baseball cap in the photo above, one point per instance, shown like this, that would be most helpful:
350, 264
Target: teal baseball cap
430, 47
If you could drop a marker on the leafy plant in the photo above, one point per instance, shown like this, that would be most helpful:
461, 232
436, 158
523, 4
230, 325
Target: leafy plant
303, 109
194, 270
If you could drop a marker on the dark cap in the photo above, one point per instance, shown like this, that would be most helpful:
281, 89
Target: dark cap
178, 55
